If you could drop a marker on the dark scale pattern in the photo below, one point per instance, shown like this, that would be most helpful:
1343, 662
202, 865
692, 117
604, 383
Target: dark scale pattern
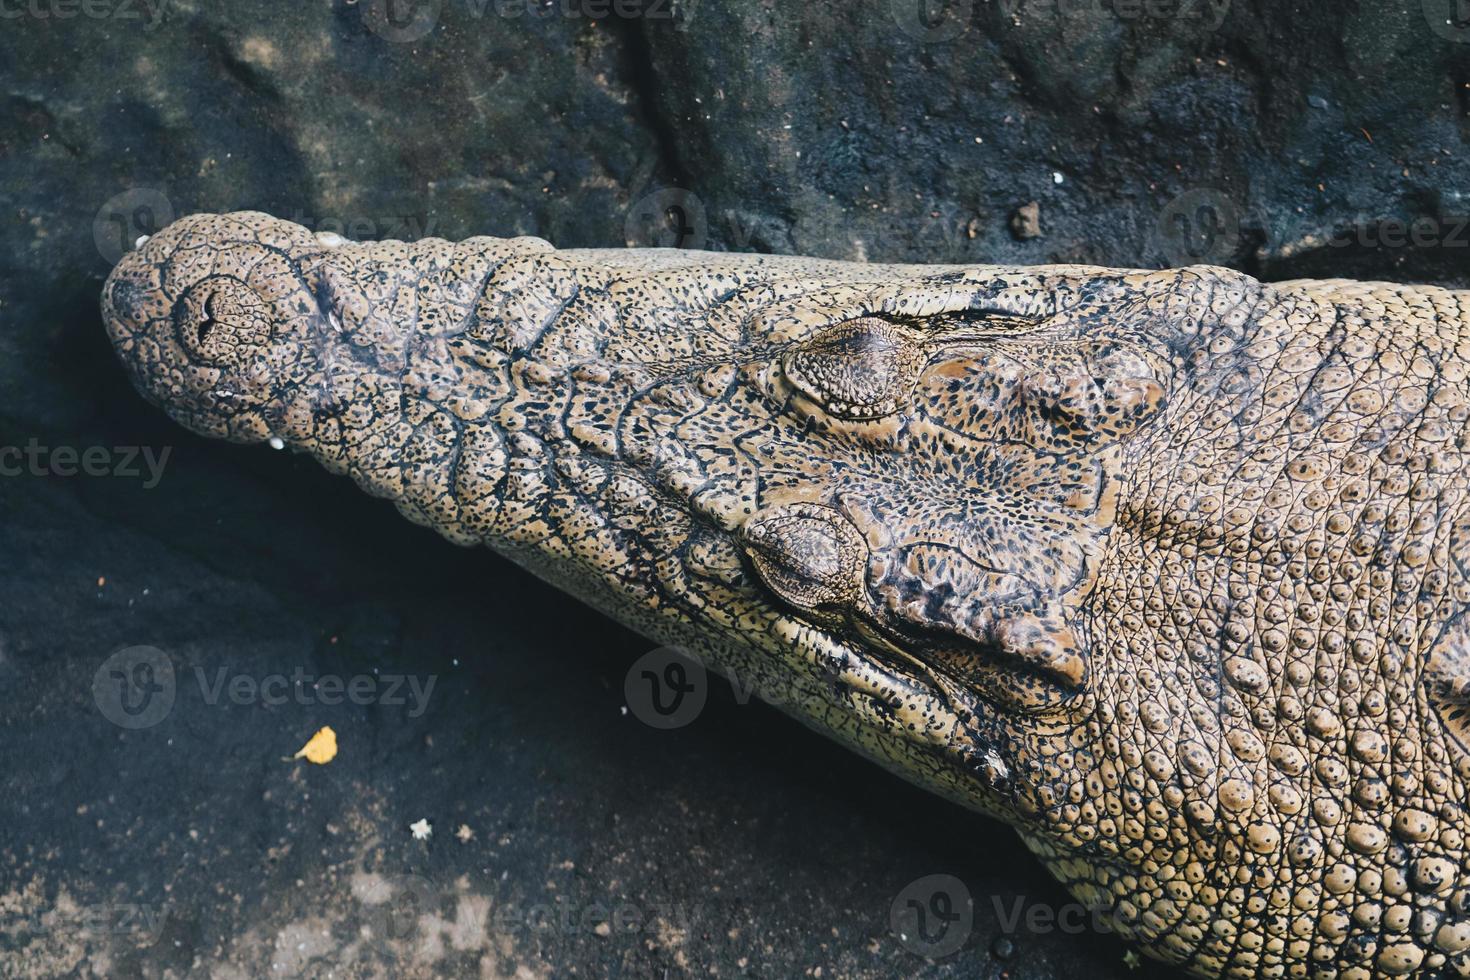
1164, 568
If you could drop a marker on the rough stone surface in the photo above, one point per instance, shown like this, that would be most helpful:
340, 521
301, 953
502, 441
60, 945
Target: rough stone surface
560, 125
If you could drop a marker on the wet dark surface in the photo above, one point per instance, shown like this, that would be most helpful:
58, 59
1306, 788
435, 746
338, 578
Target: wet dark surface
1284, 143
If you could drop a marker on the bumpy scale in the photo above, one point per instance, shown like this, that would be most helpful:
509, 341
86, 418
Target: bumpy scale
1165, 569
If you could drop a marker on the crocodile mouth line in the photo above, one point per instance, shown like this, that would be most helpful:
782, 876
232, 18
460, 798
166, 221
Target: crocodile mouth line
895, 690
924, 657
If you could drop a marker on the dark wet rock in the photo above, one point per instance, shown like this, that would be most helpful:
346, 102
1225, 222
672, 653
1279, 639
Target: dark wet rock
1026, 221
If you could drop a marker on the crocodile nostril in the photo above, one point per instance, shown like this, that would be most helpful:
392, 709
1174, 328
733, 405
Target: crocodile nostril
207, 322
222, 321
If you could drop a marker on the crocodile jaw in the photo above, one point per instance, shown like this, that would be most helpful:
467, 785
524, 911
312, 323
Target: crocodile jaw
618, 440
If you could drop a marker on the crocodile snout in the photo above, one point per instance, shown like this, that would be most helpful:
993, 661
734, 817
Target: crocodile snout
205, 315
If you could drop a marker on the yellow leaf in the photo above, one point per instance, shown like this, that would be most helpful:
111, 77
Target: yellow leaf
321, 749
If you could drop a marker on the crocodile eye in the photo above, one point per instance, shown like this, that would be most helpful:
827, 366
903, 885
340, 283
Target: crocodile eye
860, 369
809, 555
222, 321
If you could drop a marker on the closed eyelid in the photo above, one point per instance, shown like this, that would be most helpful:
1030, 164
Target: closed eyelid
858, 369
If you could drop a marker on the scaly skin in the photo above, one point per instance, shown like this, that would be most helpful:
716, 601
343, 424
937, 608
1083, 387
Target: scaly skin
1162, 568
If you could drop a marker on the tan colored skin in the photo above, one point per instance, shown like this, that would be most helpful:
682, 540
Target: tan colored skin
1162, 568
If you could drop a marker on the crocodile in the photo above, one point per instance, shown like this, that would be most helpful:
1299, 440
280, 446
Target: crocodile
1166, 569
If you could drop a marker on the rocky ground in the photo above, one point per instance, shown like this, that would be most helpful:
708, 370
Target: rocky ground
172, 836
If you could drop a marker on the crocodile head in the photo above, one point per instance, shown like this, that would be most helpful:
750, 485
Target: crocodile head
897, 482
1059, 542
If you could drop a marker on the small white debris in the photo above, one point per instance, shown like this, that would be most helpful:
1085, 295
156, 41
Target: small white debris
142, 240
465, 833
422, 829
276, 442
330, 239
1056, 177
